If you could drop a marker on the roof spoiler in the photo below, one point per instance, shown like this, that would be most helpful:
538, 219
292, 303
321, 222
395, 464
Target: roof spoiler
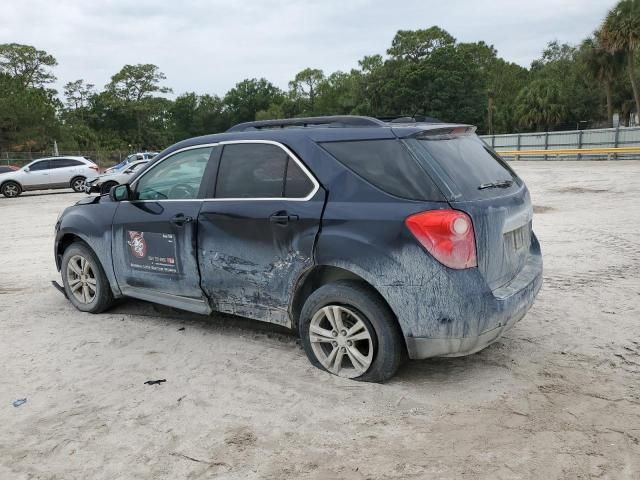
410, 119
444, 132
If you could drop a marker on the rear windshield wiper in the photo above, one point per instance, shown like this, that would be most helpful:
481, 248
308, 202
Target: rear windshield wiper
498, 184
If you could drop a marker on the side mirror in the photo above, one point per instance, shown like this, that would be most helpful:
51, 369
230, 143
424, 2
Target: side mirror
120, 193
26, 169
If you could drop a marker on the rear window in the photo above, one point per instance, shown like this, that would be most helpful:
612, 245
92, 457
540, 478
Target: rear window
297, 184
251, 171
388, 165
465, 164
260, 170
65, 162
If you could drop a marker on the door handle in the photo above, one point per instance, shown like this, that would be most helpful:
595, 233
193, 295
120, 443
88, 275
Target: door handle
180, 219
282, 218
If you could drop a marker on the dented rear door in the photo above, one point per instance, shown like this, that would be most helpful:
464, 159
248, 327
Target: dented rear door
256, 235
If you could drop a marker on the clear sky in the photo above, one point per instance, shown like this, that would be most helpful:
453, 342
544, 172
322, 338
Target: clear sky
207, 46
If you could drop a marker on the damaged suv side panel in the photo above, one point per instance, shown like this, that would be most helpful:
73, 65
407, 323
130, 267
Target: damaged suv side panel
375, 240
253, 246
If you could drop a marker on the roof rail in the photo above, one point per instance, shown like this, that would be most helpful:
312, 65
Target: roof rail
336, 121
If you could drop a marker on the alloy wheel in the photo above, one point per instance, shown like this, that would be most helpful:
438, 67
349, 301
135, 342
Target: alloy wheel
341, 341
78, 185
11, 190
81, 279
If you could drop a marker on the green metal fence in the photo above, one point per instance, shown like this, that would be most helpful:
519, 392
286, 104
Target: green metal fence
575, 139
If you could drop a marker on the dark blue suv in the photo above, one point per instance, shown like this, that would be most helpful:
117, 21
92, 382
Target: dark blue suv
375, 241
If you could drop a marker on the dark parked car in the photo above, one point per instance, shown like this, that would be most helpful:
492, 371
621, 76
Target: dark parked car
8, 168
375, 241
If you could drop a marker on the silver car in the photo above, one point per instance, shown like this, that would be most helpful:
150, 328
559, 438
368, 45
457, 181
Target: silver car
48, 174
104, 182
129, 160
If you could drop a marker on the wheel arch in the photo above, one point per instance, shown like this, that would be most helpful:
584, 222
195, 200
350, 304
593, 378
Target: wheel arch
11, 180
112, 184
321, 275
68, 239
65, 242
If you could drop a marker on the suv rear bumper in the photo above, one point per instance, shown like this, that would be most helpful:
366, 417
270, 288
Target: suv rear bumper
419, 347
502, 310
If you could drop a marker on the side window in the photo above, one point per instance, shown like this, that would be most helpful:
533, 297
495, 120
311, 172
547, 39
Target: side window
388, 165
41, 165
251, 170
176, 178
64, 162
298, 184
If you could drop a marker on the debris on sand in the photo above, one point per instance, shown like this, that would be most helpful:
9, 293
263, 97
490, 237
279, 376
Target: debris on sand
155, 382
542, 209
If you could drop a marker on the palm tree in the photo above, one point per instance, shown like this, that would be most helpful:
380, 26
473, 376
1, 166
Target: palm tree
604, 66
539, 105
620, 32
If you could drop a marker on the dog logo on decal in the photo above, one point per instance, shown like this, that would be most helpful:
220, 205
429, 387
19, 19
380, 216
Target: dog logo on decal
137, 244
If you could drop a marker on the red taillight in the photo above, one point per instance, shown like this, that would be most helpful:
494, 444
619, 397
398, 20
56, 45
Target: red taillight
94, 167
447, 235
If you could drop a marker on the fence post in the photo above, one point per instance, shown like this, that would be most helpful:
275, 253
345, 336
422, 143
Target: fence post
616, 140
580, 143
546, 143
518, 146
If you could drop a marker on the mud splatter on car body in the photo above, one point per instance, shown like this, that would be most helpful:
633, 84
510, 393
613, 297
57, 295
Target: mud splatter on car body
261, 257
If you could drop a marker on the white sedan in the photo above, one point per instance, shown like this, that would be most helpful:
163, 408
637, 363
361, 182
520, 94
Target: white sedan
103, 183
48, 174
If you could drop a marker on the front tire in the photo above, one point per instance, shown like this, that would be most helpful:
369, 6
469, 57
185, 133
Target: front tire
84, 280
348, 330
106, 187
77, 184
11, 189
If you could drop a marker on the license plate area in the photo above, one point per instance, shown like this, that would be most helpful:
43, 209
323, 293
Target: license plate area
519, 238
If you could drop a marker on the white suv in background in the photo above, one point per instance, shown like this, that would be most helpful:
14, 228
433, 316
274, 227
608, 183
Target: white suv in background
49, 173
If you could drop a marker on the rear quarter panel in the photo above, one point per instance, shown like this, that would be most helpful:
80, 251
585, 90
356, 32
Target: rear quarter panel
428, 299
363, 231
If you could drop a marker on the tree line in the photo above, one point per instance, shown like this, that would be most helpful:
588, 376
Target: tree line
424, 71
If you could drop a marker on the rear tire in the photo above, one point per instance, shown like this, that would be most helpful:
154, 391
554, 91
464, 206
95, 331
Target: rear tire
77, 184
106, 187
11, 189
368, 341
84, 280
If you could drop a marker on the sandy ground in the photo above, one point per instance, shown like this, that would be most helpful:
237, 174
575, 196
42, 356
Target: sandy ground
558, 397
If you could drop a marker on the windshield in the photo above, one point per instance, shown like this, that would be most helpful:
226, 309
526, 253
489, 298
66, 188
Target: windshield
467, 167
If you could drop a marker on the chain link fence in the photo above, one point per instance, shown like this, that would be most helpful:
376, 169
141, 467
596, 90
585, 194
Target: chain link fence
103, 159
